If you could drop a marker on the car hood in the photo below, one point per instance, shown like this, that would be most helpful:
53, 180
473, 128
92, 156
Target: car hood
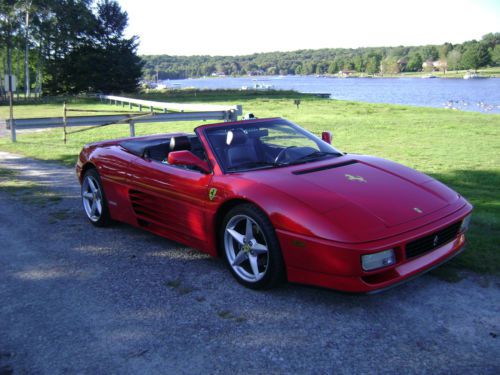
366, 193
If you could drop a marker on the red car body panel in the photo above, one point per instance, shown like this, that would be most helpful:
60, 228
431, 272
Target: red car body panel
324, 215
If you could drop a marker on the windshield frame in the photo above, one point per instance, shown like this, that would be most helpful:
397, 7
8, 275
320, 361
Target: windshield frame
322, 145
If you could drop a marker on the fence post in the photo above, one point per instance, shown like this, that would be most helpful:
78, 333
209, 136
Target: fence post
132, 128
64, 122
13, 135
140, 107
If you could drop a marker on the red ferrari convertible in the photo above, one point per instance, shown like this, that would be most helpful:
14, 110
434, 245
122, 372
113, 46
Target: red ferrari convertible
277, 203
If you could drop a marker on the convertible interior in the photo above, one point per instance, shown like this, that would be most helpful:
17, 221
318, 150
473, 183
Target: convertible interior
158, 149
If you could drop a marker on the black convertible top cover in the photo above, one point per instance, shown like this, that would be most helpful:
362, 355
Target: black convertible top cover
139, 147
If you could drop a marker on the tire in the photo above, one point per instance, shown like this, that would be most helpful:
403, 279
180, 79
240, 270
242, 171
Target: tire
250, 248
94, 201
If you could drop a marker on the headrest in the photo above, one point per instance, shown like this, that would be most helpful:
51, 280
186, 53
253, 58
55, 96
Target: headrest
236, 137
180, 143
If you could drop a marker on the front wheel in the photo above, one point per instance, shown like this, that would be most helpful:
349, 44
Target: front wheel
251, 248
94, 200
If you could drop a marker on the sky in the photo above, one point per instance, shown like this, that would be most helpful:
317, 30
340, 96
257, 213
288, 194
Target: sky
234, 27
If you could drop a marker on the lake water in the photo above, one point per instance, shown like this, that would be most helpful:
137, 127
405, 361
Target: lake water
481, 95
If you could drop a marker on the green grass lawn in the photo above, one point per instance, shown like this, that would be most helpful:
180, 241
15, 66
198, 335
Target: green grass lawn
461, 149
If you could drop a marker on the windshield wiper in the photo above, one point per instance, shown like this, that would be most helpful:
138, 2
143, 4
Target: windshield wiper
312, 156
251, 165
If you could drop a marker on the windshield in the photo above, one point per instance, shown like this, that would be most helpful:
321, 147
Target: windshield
269, 144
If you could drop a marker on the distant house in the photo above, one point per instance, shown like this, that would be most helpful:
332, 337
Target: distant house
427, 65
435, 65
402, 63
257, 72
345, 73
218, 74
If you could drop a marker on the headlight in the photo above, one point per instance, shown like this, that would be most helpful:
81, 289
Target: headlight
371, 262
465, 223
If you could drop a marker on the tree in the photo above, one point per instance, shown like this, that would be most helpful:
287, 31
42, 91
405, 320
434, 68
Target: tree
491, 40
429, 53
414, 62
475, 56
112, 21
454, 57
495, 55
444, 50
333, 68
9, 29
114, 68
359, 64
389, 66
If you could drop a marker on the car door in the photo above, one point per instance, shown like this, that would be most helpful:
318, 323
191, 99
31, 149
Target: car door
170, 200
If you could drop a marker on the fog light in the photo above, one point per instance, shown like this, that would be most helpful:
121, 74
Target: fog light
371, 262
465, 223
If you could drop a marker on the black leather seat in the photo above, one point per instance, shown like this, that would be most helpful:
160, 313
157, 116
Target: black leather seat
180, 143
241, 149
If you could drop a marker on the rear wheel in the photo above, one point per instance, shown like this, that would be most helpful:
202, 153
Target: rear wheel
251, 248
94, 200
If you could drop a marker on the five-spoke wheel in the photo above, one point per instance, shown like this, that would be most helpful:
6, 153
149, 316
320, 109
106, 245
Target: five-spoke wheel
251, 248
94, 202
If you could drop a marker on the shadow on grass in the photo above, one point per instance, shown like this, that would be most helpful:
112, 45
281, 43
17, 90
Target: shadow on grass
480, 188
68, 160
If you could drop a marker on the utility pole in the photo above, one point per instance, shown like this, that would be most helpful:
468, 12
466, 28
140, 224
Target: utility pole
11, 104
26, 52
9, 72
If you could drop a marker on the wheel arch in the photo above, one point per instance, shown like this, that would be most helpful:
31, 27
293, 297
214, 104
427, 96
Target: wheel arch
87, 166
221, 213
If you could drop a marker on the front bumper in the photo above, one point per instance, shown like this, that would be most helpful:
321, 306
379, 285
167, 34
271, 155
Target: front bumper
337, 266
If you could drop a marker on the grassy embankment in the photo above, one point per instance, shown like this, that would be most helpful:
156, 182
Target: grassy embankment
461, 149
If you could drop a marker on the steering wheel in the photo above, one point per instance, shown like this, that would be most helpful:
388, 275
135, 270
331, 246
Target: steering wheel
281, 153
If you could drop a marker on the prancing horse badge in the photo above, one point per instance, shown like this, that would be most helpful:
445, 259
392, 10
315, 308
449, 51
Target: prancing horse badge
212, 193
351, 177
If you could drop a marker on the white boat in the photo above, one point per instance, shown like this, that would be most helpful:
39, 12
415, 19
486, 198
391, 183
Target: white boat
472, 75
262, 86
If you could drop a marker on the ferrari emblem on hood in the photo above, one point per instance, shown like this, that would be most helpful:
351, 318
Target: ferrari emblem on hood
351, 177
212, 193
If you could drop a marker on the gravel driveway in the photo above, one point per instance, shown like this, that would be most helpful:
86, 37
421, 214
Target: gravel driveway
75, 299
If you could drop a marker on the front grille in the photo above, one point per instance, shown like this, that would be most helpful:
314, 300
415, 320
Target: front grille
432, 241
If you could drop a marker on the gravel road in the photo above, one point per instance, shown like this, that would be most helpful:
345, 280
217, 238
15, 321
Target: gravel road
75, 299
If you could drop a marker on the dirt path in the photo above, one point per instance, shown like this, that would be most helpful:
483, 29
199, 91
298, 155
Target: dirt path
77, 299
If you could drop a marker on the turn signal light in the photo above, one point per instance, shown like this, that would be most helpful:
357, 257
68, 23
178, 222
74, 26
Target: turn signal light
374, 261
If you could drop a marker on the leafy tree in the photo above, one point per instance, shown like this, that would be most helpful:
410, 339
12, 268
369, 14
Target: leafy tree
491, 40
112, 22
57, 35
444, 50
359, 64
495, 55
475, 56
414, 62
9, 31
389, 66
333, 68
454, 59
429, 53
